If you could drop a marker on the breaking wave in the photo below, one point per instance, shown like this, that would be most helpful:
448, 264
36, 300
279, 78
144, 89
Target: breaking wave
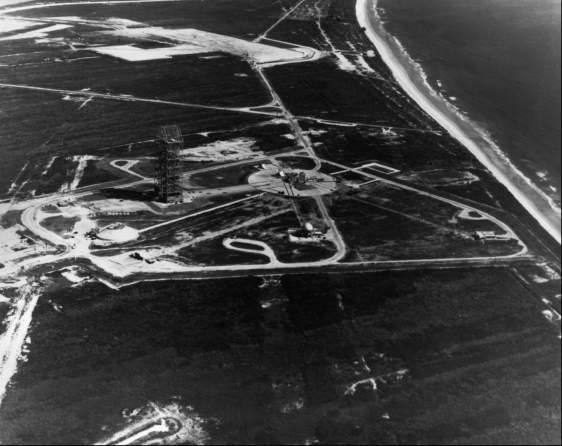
543, 206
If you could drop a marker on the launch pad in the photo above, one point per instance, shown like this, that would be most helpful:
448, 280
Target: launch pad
292, 182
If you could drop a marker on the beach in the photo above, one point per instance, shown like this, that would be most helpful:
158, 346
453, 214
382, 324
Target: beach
12, 2
413, 80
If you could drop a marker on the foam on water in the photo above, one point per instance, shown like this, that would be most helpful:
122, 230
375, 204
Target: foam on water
413, 79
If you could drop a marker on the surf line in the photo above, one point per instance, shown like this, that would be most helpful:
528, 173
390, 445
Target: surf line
541, 207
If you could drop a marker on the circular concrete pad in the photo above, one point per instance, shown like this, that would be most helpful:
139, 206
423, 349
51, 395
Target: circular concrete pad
270, 180
118, 233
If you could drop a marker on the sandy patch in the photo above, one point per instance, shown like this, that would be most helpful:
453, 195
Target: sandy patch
72, 275
158, 424
113, 206
13, 340
37, 33
229, 150
194, 41
117, 233
9, 24
82, 161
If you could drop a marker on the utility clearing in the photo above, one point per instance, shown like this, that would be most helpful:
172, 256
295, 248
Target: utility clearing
194, 41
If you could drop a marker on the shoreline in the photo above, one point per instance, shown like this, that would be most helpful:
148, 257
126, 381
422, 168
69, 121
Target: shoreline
531, 197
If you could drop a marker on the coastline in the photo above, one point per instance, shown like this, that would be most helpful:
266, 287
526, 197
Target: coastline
530, 196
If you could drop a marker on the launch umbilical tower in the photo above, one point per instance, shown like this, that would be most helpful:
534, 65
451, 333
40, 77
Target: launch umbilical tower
168, 168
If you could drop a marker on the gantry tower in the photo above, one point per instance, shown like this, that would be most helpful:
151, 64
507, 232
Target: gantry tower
168, 169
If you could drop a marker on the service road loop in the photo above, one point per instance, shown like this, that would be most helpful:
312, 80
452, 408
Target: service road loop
528, 194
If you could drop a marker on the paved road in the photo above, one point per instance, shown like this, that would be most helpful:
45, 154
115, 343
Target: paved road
305, 143
29, 217
281, 19
337, 268
419, 190
195, 214
129, 98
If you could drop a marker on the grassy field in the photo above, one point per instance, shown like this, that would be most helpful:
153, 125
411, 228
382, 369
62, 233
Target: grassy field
212, 252
181, 79
275, 232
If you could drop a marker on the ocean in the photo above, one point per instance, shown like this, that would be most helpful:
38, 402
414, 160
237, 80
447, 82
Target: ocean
498, 61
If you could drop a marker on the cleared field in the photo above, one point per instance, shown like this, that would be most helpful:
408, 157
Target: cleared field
225, 176
204, 224
59, 225
212, 252
379, 232
275, 232
241, 18
97, 172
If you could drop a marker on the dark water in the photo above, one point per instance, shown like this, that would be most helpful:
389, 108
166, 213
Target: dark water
500, 59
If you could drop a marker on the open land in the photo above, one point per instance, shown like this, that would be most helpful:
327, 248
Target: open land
339, 269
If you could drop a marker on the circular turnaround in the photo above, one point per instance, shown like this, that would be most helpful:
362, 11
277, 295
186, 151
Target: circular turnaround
292, 182
118, 233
